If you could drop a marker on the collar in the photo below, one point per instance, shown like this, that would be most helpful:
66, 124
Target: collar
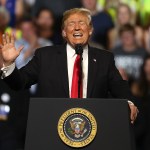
71, 51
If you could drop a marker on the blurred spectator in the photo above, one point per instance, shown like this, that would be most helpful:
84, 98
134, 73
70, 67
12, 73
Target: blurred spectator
112, 5
128, 55
15, 8
102, 23
30, 40
124, 16
144, 12
45, 24
30, 2
28, 6
101, 4
142, 91
147, 39
4, 20
57, 7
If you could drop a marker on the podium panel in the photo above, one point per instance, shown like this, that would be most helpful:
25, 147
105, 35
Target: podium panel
48, 129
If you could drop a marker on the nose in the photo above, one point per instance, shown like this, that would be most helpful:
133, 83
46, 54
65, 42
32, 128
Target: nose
77, 26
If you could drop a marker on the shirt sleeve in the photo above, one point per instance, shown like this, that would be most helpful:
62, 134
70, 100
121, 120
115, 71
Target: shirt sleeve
6, 71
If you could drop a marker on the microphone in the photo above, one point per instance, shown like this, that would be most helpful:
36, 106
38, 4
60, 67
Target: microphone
79, 49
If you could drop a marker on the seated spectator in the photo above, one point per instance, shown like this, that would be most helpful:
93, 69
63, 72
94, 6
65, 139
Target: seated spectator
44, 21
15, 8
128, 55
124, 16
4, 19
4, 27
112, 5
30, 40
102, 23
147, 38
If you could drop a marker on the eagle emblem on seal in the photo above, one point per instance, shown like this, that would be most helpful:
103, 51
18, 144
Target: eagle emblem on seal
77, 127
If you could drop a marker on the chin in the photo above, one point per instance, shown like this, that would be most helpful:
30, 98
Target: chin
79, 42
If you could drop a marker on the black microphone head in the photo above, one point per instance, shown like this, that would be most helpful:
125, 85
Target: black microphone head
79, 49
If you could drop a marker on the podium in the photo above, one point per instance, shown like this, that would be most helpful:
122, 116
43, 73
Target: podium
87, 124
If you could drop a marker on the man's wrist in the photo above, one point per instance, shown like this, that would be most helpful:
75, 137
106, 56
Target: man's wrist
8, 64
6, 71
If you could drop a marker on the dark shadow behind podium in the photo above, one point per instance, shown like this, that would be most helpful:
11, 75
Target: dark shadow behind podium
112, 116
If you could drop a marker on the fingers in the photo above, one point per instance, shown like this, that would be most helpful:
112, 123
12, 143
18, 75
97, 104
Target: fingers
134, 112
4, 39
7, 38
12, 39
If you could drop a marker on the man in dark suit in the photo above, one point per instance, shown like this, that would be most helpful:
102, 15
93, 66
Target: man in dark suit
53, 67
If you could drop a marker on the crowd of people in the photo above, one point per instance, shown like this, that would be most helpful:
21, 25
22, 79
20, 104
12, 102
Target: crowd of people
120, 26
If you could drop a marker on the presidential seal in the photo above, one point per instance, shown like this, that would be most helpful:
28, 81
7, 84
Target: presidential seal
77, 127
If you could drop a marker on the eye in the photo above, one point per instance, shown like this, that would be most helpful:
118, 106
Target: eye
71, 24
82, 23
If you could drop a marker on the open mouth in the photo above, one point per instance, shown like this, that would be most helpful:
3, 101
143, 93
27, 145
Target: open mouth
77, 35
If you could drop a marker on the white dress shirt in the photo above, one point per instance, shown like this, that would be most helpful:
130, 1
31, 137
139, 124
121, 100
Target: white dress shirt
71, 56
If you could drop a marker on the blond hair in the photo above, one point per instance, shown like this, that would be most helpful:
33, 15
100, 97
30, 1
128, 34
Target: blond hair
82, 11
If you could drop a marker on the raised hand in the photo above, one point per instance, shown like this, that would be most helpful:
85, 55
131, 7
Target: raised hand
8, 51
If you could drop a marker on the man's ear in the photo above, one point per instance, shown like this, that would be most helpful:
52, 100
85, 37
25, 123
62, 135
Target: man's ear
64, 33
91, 31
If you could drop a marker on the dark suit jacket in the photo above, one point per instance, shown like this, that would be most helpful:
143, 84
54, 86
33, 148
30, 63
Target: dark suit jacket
49, 68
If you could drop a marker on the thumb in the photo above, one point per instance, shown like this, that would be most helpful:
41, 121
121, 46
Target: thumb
20, 49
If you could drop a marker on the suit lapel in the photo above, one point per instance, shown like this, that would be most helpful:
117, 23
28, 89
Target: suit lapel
92, 69
62, 68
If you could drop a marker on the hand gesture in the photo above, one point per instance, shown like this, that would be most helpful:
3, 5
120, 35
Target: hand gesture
134, 112
8, 51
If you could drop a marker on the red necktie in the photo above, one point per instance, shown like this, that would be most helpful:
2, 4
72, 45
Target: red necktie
75, 79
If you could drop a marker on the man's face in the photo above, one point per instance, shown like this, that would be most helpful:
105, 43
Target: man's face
127, 38
124, 15
89, 4
28, 30
77, 29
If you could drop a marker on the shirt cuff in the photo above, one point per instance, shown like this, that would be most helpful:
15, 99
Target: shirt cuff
6, 71
130, 103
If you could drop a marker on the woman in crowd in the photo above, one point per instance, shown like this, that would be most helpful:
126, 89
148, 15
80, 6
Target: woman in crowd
124, 16
44, 21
